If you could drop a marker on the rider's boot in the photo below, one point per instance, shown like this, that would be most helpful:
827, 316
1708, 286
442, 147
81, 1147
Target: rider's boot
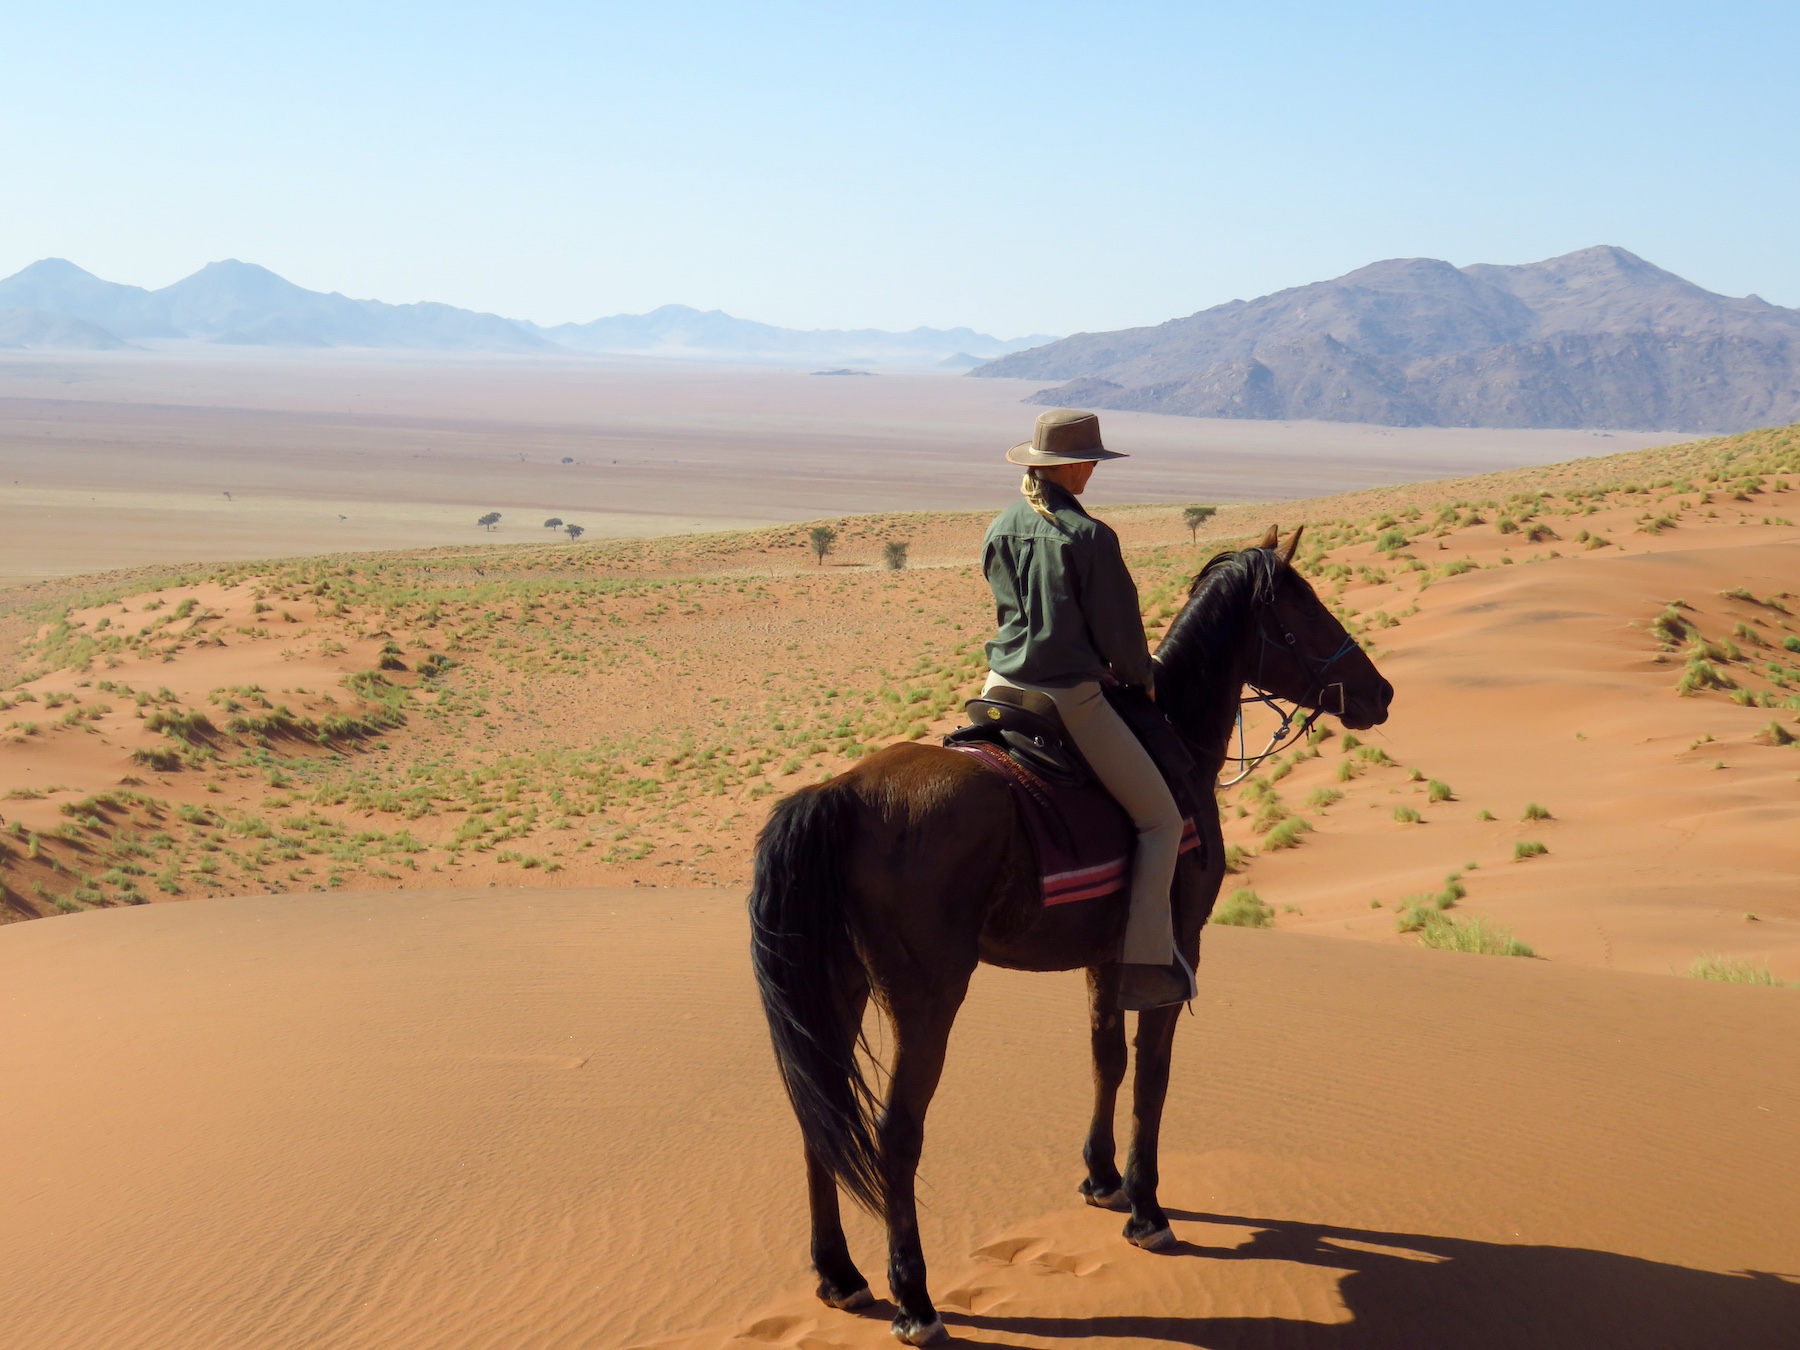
1142, 987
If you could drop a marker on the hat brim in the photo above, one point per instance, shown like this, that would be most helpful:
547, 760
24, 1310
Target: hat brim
1022, 453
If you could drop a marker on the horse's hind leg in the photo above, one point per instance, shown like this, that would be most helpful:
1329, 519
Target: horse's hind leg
1102, 1185
921, 1034
1148, 1226
841, 1284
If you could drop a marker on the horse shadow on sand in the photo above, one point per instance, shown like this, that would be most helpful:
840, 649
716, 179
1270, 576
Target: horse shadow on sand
1436, 1293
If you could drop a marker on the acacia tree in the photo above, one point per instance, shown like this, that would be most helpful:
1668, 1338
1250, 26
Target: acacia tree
822, 537
554, 523
894, 554
574, 531
491, 519
1194, 517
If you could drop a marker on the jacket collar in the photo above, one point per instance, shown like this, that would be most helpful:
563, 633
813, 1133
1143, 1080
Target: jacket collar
1059, 498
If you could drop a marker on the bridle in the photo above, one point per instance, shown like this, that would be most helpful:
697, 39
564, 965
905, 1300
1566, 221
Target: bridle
1293, 726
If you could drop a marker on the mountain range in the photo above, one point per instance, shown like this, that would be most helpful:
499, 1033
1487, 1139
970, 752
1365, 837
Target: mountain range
54, 303
1596, 338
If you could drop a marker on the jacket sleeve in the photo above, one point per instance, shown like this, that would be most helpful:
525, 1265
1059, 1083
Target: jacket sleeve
1109, 603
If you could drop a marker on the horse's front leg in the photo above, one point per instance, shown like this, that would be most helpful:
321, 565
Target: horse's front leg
1106, 1032
1148, 1226
921, 1034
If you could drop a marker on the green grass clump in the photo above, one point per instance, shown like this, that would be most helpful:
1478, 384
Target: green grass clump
1730, 970
1775, 734
1438, 792
1528, 848
1701, 674
1671, 626
1320, 798
1286, 834
191, 727
1476, 936
1535, 812
1484, 814
1245, 909
1791, 644
1406, 815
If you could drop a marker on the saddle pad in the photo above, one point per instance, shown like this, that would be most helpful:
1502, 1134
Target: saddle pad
1082, 837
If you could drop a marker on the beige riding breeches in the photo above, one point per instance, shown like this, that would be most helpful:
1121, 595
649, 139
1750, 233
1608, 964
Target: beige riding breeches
1126, 770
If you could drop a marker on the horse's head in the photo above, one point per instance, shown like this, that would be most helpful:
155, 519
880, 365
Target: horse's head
1302, 653
1252, 619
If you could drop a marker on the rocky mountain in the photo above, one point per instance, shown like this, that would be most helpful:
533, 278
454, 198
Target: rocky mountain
241, 303
1597, 338
678, 331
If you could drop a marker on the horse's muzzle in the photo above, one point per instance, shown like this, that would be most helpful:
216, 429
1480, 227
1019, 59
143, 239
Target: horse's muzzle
1363, 710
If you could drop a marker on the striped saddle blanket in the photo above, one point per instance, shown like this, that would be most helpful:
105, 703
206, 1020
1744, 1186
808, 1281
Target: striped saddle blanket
1083, 837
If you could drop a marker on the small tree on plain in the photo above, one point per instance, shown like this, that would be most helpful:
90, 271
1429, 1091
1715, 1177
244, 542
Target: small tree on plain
574, 531
491, 519
894, 554
554, 523
1194, 517
823, 537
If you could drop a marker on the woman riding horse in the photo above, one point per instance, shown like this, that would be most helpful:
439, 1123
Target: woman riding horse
895, 879
1068, 621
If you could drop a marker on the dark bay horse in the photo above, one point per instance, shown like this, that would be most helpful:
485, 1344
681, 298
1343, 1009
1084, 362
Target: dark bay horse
896, 878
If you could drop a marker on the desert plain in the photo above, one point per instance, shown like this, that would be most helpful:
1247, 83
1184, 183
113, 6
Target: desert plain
385, 978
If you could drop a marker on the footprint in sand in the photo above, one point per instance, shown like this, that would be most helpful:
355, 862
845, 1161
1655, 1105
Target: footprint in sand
975, 1298
785, 1329
1035, 1254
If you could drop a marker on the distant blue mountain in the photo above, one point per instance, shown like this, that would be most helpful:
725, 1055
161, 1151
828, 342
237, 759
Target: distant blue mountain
242, 304
236, 302
679, 331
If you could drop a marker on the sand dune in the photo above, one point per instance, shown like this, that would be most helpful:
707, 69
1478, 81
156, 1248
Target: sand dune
505, 1118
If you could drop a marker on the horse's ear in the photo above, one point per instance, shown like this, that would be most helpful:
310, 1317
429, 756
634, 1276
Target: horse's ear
1270, 539
1293, 545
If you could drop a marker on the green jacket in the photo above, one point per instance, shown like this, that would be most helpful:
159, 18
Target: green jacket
1065, 602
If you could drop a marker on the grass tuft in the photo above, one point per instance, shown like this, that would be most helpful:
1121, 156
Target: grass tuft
1475, 935
1731, 970
1245, 909
1535, 812
1286, 834
1528, 848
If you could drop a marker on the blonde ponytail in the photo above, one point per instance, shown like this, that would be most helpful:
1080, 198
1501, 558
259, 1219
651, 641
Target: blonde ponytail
1033, 488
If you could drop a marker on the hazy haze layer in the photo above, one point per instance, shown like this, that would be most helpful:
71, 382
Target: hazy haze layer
120, 459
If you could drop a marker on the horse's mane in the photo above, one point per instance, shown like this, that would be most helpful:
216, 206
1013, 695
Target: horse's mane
1195, 658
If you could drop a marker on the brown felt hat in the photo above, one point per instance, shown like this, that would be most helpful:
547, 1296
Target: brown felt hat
1063, 436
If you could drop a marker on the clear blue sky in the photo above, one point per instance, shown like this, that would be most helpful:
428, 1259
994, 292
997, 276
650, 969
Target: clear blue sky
1016, 167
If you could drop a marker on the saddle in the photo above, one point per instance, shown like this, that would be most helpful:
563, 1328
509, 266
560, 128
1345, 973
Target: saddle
1083, 838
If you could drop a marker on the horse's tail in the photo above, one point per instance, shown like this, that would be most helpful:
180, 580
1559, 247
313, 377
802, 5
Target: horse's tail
806, 968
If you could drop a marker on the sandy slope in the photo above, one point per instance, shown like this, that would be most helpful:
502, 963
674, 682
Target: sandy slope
512, 1119
1670, 824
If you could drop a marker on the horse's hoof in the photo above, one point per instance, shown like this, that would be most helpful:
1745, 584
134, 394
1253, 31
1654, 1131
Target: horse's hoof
1162, 1240
933, 1333
1113, 1200
850, 1302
